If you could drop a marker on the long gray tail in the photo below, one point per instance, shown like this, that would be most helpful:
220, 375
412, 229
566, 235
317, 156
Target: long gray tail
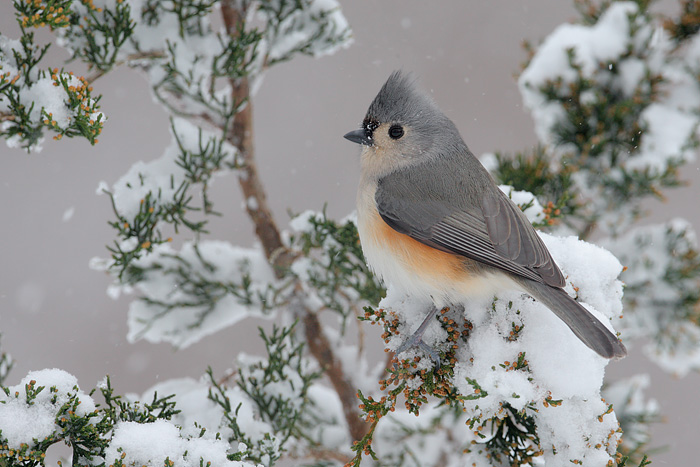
586, 327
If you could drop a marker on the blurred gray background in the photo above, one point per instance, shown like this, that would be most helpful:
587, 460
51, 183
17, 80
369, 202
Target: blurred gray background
54, 311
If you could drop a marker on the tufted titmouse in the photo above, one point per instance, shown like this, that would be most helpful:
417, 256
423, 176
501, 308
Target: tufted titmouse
432, 220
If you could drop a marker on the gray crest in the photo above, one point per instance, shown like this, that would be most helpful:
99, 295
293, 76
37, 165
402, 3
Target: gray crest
400, 100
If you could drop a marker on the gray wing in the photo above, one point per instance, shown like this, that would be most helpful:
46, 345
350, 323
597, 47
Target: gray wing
514, 238
478, 222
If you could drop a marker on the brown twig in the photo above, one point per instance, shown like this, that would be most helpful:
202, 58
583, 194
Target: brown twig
321, 349
241, 136
588, 230
130, 58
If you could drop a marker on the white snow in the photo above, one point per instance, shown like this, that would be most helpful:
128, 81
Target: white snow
426, 441
49, 98
185, 324
8, 66
333, 433
23, 423
627, 396
653, 254
604, 41
20, 423
252, 203
161, 177
534, 212
558, 364
39, 94
178, 440
670, 123
102, 187
298, 28
68, 214
302, 222
153, 443
197, 411
668, 134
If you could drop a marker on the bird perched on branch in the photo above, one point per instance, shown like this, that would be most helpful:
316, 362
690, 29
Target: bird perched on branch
432, 220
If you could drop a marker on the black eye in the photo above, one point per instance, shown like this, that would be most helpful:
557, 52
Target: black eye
396, 131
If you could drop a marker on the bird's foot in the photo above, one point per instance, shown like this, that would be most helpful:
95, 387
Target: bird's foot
416, 340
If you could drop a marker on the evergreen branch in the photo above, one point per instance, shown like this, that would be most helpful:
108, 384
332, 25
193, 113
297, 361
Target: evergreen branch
336, 265
6, 364
241, 136
264, 447
687, 25
321, 349
406, 379
100, 34
135, 57
51, 13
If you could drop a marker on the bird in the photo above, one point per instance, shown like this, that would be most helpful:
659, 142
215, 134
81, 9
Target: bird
432, 219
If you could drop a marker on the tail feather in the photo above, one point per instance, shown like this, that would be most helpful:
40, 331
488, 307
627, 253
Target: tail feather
583, 324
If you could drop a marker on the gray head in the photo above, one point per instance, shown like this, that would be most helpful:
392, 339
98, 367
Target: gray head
403, 126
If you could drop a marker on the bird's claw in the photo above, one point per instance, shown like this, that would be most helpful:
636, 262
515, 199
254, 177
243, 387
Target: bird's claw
417, 341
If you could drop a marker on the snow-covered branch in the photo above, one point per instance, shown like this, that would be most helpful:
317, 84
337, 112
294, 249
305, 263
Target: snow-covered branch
616, 104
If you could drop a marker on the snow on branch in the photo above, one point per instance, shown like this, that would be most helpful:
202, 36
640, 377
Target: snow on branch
507, 361
37, 408
617, 100
33, 100
310, 27
330, 266
662, 284
206, 286
48, 407
276, 404
6, 364
98, 30
616, 104
189, 63
634, 411
159, 192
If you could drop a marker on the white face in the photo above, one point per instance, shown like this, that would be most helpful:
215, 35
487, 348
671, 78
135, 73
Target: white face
394, 146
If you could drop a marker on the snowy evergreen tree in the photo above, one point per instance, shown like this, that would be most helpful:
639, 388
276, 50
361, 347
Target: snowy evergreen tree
616, 102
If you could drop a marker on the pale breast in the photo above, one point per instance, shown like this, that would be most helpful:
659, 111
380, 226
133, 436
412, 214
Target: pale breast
416, 268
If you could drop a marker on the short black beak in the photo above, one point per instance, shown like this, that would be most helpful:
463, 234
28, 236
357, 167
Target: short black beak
359, 137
